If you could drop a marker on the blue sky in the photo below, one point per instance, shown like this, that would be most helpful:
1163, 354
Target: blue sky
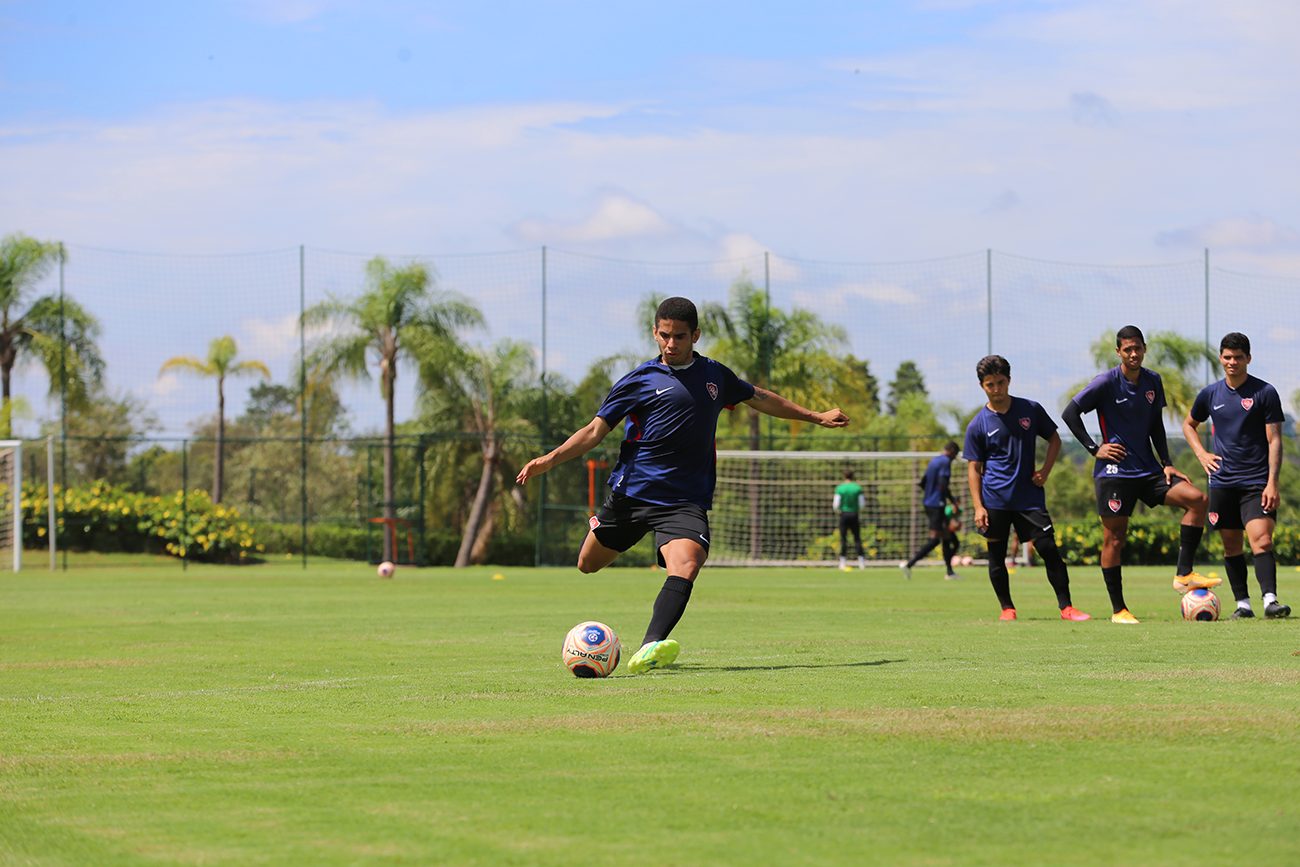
1116, 131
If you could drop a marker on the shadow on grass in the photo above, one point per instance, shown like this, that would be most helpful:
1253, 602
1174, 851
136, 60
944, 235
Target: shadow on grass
699, 667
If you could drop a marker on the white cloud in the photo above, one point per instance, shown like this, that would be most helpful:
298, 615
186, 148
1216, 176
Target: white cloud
1252, 233
616, 217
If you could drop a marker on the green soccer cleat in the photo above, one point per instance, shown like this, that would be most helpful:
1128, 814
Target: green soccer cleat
656, 654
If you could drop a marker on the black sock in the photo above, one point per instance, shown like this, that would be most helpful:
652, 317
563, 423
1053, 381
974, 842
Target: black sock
1189, 537
923, 550
1057, 574
998, 576
1236, 569
949, 550
670, 604
1266, 572
1114, 586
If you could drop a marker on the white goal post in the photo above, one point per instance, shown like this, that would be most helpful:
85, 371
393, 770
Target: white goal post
773, 508
11, 501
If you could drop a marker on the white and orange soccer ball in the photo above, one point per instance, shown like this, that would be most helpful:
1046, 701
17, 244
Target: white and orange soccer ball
590, 650
1200, 605
386, 569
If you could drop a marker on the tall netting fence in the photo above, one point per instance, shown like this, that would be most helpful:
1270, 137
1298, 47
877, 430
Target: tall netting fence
302, 461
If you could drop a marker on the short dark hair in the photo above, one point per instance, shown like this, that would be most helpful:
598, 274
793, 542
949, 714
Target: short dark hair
1129, 332
1235, 340
680, 309
990, 365
951, 446
848, 474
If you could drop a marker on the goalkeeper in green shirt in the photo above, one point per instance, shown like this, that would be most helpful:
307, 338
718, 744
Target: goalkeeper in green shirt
848, 502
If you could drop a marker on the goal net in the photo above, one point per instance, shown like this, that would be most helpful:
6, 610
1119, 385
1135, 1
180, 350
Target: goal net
774, 508
11, 512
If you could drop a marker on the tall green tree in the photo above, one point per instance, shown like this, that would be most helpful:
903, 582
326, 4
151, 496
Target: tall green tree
792, 353
59, 335
907, 381
219, 365
483, 392
399, 312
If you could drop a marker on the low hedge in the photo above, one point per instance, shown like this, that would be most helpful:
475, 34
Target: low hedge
103, 517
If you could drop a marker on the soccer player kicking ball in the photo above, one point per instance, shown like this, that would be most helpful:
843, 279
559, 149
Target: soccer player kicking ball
1246, 418
1128, 400
1005, 488
666, 470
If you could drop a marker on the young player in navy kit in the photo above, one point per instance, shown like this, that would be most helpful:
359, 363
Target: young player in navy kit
1128, 400
666, 470
1005, 488
1246, 416
937, 491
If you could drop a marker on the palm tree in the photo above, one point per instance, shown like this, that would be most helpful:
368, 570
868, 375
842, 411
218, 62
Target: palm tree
59, 333
793, 354
401, 312
1176, 358
482, 391
219, 364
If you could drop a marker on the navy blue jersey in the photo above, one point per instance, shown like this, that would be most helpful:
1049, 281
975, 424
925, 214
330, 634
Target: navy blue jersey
1238, 419
668, 455
1004, 443
936, 480
1127, 411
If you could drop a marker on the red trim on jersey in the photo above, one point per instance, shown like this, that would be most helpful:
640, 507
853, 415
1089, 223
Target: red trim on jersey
637, 425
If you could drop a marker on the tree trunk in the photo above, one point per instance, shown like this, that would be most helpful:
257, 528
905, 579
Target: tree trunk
478, 554
219, 458
390, 491
491, 455
6, 368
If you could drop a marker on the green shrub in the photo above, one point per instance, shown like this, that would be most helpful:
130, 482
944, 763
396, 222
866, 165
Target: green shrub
107, 518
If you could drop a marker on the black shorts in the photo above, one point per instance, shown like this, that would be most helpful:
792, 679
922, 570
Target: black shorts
938, 520
850, 521
623, 521
1030, 524
1233, 508
1116, 497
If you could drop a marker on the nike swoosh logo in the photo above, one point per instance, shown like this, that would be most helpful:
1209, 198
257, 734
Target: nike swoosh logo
706, 541
1122, 400
662, 390
1048, 527
1221, 406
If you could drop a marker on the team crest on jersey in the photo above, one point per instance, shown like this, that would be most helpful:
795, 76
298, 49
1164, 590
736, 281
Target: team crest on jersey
594, 522
713, 390
1116, 505
1247, 402
1024, 423
1214, 517
1151, 397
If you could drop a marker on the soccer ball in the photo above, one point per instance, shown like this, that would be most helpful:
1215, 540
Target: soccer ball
1200, 605
590, 650
385, 569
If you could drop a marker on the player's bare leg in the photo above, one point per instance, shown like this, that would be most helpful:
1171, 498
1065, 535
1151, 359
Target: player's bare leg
594, 556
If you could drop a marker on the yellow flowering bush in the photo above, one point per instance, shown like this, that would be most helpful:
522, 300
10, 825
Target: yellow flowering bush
102, 517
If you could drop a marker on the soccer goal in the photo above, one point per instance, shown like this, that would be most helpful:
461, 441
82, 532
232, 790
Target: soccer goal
774, 508
11, 509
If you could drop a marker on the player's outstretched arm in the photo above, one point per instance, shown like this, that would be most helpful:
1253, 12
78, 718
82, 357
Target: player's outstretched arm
771, 403
583, 440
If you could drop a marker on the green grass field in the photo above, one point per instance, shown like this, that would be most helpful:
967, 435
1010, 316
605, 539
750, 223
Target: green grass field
271, 715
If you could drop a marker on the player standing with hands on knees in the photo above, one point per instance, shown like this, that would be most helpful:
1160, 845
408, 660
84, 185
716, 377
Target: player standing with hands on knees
1128, 400
666, 471
1246, 416
1005, 488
